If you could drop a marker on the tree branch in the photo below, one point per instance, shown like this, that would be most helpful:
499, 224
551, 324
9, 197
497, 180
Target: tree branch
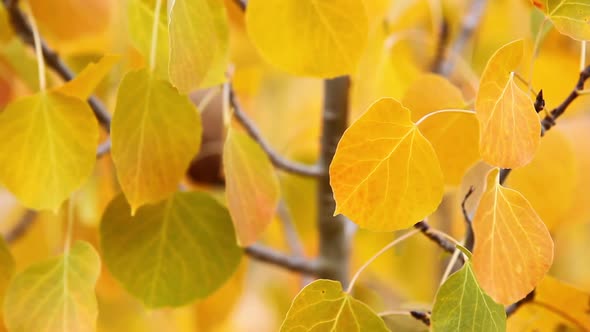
275, 158
292, 263
511, 309
469, 237
469, 24
445, 244
21, 227
241, 4
23, 29
334, 243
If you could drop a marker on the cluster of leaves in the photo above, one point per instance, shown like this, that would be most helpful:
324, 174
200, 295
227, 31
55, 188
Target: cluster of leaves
390, 170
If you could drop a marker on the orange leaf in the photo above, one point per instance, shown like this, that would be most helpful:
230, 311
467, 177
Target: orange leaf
509, 126
88, 79
430, 93
252, 186
513, 248
385, 174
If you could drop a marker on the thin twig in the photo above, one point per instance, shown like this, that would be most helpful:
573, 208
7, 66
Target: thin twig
21, 227
23, 29
469, 238
469, 24
511, 309
442, 242
241, 4
103, 148
277, 160
292, 263
422, 316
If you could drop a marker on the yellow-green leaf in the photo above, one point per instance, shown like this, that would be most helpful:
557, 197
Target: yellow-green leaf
461, 305
252, 187
55, 295
88, 79
155, 134
385, 174
309, 37
7, 266
170, 253
140, 17
513, 248
48, 147
570, 17
509, 126
199, 44
323, 306
454, 136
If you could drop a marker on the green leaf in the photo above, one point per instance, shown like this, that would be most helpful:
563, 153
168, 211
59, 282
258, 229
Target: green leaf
155, 134
199, 44
140, 18
323, 306
48, 147
55, 295
171, 253
461, 305
252, 186
6, 267
570, 17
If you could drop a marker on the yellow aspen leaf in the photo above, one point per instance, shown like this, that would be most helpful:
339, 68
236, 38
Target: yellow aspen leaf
308, 37
76, 19
570, 17
509, 126
252, 187
199, 44
578, 135
48, 147
429, 93
323, 306
155, 134
7, 266
513, 248
385, 174
550, 177
461, 305
556, 306
170, 253
454, 136
140, 17
55, 295
88, 79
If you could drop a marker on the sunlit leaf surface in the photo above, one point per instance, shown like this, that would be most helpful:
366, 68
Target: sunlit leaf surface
570, 17
55, 295
385, 174
252, 187
513, 248
429, 93
47, 148
199, 44
155, 134
323, 306
509, 126
87, 80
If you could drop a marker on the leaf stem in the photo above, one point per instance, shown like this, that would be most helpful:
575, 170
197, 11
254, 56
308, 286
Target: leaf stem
443, 111
379, 253
69, 225
154, 45
39, 55
583, 55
